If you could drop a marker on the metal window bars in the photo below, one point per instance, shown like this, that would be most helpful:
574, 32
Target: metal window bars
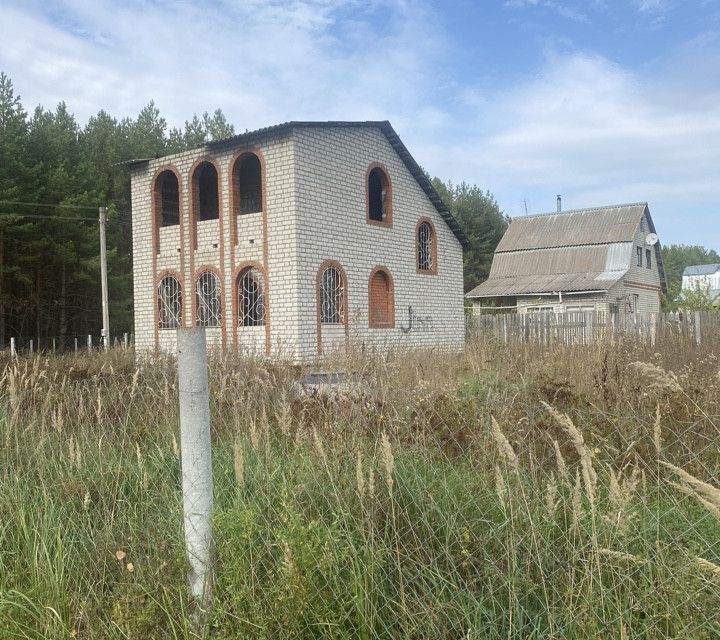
207, 300
425, 248
332, 297
169, 303
251, 298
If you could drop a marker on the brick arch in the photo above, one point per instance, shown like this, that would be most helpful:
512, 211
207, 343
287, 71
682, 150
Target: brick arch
156, 283
234, 194
195, 198
318, 285
388, 221
381, 292
156, 200
250, 264
433, 248
203, 268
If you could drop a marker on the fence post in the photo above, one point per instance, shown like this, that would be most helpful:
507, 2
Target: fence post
54, 345
698, 329
31, 347
89, 343
196, 462
13, 349
76, 345
125, 341
653, 328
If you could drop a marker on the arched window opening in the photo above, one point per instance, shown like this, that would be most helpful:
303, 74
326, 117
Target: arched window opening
207, 187
378, 190
251, 299
332, 297
249, 182
207, 300
169, 303
169, 190
425, 247
381, 305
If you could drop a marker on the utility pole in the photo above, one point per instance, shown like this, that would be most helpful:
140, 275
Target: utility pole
103, 278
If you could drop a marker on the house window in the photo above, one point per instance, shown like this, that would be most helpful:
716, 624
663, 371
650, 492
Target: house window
205, 185
207, 300
426, 248
248, 178
168, 193
332, 296
379, 196
639, 251
648, 258
251, 298
381, 304
169, 296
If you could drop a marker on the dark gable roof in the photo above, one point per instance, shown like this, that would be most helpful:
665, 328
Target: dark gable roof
389, 133
575, 250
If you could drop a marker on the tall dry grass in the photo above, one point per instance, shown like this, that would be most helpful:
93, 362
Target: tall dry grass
513, 492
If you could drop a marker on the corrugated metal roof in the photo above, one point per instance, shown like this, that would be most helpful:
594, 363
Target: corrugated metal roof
545, 283
578, 227
578, 250
392, 137
701, 269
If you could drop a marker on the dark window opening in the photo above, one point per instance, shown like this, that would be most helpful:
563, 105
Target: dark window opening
639, 256
250, 184
208, 200
251, 299
648, 258
169, 199
425, 247
377, 195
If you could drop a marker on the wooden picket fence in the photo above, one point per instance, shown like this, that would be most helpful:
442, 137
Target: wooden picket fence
582, 328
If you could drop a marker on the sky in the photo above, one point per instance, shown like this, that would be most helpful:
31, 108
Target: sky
602, 101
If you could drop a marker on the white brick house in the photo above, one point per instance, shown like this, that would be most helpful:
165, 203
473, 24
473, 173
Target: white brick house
296, 239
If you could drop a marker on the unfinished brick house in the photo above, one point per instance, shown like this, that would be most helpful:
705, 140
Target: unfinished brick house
297, 239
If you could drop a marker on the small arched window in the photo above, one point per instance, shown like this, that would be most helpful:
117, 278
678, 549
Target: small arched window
207, 300
248, 181
168, 198
205, 185
426, 248
379, 196
381, 302
251, 298
169, 297
332, 296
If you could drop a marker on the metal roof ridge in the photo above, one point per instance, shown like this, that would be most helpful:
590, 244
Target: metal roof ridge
586, 209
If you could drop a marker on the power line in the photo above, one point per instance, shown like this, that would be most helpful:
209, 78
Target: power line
41, 217
48, 204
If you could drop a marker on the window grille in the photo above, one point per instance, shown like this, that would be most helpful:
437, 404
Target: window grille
332, 297
207, 300
169, 303
425, 247
251, 299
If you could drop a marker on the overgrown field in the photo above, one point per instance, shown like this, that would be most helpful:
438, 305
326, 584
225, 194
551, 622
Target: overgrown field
512, 492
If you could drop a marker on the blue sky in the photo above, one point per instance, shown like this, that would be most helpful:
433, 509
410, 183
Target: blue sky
600, 100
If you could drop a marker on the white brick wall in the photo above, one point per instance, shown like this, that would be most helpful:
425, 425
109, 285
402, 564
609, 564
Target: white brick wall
315, 191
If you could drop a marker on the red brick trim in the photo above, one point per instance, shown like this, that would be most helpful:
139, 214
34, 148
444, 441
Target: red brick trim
195, 196
234, 195
235, 187
156, 302
250, 264
324, 265
641, 285
434, 253
389, 300
388, 221
155, 231
218, 272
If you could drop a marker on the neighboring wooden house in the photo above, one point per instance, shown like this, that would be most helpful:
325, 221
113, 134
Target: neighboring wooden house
702, 277
603, 259
296, 240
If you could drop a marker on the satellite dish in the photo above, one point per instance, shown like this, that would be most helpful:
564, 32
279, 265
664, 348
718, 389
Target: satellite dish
651, 239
